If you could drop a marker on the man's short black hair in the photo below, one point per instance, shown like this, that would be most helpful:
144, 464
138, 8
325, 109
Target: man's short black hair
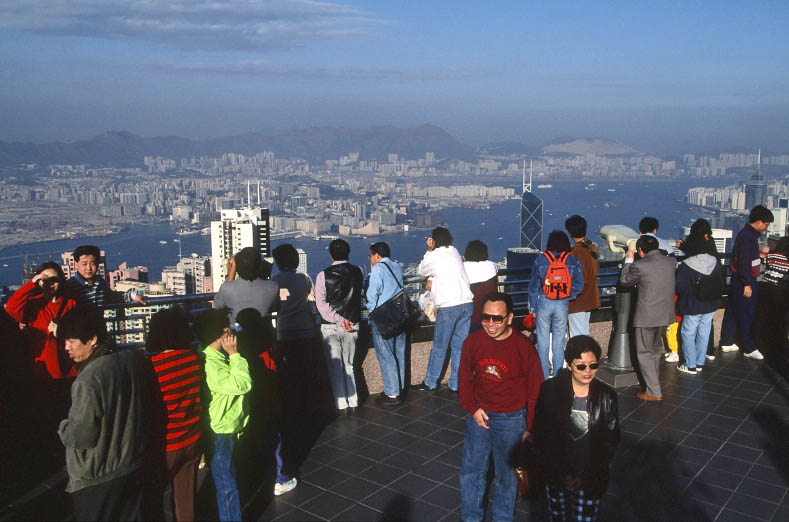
497, 297
476, 250
578, 345
209, 325
648, 225
761, 213
83, 323
380, 248
86, 250
576, 226
168, 330
558, 242
248, 264
441, 237
339, 250
647, 243
286, 257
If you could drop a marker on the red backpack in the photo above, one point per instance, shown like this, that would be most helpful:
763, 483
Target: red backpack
557, 278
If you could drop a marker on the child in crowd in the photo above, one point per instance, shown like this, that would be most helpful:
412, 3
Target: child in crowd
228, 380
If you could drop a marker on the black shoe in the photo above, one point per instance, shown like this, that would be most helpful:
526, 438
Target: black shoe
422, 387
385, 400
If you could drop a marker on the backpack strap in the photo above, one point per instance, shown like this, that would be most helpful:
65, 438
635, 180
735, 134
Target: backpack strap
563, 257
549, 255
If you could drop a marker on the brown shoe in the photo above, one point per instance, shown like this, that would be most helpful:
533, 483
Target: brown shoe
644, 396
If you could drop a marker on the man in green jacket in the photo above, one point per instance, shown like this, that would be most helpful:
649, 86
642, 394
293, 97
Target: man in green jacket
228, 380
104, 434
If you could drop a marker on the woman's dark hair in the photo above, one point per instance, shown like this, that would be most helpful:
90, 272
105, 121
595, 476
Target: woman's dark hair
286, 257
60, 277
83, 323
578, 345
380, 248
696, 243
476, 250
441, 237
168, 330
209, 325
558, 242
248, 264
257, 333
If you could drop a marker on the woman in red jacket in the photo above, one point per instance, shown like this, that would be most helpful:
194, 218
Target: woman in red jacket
37, 306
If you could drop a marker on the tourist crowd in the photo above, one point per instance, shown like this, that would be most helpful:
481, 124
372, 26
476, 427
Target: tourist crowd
229, 388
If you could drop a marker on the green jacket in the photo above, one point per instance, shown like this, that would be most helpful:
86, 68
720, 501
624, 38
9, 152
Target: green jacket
228, 382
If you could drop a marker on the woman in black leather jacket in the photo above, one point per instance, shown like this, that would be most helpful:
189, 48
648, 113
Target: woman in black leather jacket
576, 431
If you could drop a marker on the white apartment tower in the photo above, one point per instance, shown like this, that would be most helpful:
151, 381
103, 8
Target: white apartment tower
237, 229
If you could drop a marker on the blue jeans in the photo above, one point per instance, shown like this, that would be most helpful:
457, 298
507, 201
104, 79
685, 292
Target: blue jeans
551, 318
391, 359
506, 430
452, 325
223, 471
579, 323
695, 336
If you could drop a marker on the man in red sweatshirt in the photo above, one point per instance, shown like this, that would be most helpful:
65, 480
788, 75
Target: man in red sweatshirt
499, 380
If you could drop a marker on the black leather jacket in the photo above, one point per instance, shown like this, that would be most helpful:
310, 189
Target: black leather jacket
551, 424
344, 290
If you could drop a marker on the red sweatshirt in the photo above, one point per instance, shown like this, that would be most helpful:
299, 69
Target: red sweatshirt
31, 309
499, 376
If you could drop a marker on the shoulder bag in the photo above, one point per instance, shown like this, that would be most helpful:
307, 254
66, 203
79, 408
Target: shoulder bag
396, 313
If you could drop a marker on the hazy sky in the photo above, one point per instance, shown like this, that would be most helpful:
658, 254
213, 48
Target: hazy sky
668, 75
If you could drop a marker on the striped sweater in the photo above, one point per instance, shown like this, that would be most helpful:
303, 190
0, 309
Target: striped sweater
95, 293
180, 377
777, 270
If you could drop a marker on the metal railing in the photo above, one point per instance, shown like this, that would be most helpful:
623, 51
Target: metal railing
514, 281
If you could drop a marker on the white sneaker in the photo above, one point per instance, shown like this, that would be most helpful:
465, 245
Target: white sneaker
280, 488
683, 368
671, 357
710, 357
699, 369
756, 354
729, 347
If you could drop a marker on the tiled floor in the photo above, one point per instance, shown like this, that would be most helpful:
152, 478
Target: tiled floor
717, 448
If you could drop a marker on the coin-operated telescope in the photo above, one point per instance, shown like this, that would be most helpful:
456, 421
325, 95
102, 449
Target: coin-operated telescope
620, 238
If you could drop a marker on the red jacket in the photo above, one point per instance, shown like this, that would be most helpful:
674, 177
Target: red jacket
30, 309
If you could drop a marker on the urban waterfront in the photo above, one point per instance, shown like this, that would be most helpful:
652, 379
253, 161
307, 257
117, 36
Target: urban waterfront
608, 203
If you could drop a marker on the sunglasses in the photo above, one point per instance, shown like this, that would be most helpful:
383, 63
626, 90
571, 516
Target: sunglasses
582, 367
496, 319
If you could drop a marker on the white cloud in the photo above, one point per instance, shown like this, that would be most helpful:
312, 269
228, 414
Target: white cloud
192, 24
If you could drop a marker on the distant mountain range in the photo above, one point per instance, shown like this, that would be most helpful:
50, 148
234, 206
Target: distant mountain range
313, 144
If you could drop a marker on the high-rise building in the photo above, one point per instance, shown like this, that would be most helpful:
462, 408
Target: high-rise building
531, 216
755, 188
237, 229
778, 226
302, 261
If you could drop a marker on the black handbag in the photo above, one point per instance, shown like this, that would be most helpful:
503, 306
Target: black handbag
395, 314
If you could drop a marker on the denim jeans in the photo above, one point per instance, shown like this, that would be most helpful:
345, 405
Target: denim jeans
579, 323
391, 359
452, 325
551, 318
506, 430
223, 471
339, 348
695, 335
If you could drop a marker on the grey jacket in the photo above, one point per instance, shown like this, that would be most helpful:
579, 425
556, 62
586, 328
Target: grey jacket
104, 434
654, 276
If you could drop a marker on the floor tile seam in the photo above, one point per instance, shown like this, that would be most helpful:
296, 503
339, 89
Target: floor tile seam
420, 499
754, 498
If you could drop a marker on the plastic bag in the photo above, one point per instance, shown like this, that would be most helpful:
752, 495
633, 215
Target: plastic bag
428, 305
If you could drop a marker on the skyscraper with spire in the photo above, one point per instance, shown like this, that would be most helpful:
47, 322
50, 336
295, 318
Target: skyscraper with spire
756, 186
531, 214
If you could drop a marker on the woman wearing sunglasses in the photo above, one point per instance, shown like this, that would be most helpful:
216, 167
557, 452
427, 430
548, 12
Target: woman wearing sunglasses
576, 431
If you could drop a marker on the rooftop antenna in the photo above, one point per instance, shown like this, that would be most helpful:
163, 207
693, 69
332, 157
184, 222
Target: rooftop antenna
527, 186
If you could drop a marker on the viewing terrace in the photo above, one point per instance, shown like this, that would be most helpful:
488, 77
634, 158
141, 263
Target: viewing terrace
715, 449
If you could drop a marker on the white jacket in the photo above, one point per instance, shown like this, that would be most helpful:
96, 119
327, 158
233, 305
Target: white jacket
450, 285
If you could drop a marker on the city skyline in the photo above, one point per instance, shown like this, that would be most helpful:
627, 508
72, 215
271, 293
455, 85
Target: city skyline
708, 76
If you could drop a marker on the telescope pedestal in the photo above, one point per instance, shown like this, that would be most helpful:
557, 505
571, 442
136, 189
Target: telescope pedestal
617, 371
